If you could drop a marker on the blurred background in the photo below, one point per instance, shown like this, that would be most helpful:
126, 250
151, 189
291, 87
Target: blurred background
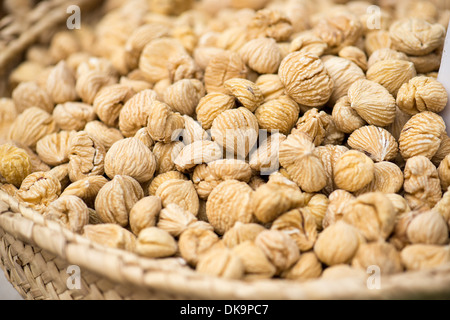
7, 292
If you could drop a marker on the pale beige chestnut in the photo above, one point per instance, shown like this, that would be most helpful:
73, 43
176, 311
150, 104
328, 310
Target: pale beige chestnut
345, 117
388, 178
428, 228
386, 54
163, 125
377, 40
179, 192
256, 264
198, 152
61, 83
175, 220
242, 232
421, 135
278, 114
236, 131
343, 271
316, 124
194, 242
307, 267
109, 101
139, 39
86, 156
221, 262
107, 136
339, 199
204, 181
344, 73
232, 38
392, 74
416, 36
144, 214
374, 141
337, 244
73, 115
30, 126
156, 55
300, 226
53, 149
134, 114
443, 208
99, 64
203, 54
262, 55
228, 203
424, 256
183, 67
211, 106
422, 185
70, 211
227, 169
399, 236
270, 86
381, 254
8, 110
86, 189
116, 199
161, 178
183, 96
222, 67
155, 243
91, 82
165, 154
353, 171
38, 190
329, 154
429, 63
339, 29
118, 161
355, 55
422, 94
396, 127
372, 214
275, 198
279, 248
444, 173
305, 168
307, 42
270, 23
29, 94
110, 235
317, 208
15, 164
246, 92
265, 158
193, 131
372, 102
306, 79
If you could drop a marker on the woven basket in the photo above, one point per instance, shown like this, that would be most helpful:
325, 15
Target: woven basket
36, 255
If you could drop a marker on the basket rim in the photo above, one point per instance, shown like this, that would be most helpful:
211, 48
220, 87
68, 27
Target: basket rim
172, 276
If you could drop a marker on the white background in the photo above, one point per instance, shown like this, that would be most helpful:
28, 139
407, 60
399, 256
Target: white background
7, 292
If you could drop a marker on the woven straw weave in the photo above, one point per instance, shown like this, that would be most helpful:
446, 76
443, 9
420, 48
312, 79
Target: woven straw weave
35, 255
